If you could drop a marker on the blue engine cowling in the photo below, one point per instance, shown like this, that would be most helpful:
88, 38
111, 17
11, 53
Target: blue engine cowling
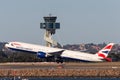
41, 54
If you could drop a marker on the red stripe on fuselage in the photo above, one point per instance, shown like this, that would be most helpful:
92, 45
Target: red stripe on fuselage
15, 44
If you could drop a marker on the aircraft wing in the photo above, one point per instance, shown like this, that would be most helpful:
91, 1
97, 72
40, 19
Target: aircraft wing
47, 54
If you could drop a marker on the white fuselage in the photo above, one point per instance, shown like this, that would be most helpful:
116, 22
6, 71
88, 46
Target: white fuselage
19, 46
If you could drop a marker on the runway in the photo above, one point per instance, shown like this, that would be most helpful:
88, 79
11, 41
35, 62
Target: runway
51, 69
52, 65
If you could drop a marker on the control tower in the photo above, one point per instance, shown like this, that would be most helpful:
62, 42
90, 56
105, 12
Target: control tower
50, 27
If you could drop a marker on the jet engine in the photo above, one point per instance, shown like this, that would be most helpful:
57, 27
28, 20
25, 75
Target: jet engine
57, 58
41, 54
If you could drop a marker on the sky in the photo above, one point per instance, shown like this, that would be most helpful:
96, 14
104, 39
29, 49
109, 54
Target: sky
82, 21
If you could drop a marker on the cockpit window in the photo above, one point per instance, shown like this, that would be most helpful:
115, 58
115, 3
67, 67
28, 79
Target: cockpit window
12, 44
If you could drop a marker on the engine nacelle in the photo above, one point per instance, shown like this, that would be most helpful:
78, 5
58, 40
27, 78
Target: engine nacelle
41, 54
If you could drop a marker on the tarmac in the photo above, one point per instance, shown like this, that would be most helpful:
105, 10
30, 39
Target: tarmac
52, 69
53, 65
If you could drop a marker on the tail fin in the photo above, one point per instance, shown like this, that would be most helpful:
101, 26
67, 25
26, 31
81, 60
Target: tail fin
103, 53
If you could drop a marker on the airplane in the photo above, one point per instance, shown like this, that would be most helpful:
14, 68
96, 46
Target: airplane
59, 54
